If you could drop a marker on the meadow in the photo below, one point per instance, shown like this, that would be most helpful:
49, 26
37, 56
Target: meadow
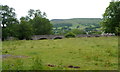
92, 53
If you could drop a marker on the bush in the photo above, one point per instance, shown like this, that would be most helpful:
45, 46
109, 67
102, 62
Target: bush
70, 35
78, 31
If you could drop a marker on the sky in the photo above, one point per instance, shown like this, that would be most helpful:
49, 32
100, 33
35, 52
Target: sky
60, 9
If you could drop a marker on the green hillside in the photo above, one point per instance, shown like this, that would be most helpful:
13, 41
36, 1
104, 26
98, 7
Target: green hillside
76, 22
86, 24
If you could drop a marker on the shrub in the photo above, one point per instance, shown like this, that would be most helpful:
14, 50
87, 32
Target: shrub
15, 64
78, 31
70, 35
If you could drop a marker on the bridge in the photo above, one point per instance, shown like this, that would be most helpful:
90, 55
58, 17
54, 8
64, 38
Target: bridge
40, 37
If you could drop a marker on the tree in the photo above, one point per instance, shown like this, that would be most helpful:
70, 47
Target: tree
8, 16
34, 23
34, 13
9, 21
24, 30
41, 26
25, 18
111, 18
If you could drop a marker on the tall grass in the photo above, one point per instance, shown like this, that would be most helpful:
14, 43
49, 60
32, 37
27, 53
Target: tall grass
99, 53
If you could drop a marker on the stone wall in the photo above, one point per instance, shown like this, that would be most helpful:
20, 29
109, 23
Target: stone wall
39, 37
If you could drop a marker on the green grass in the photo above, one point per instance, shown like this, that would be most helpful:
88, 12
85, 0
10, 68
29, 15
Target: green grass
99, 53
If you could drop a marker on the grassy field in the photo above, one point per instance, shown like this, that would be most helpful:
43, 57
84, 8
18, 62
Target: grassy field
100, 53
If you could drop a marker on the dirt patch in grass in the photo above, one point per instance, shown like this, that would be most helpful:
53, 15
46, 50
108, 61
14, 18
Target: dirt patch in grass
70, 66
13, 56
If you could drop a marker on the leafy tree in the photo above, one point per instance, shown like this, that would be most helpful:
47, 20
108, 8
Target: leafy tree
34, 13
9, 21
35, 23
24, 30
8, 15
25, 18
41, 26
111, 18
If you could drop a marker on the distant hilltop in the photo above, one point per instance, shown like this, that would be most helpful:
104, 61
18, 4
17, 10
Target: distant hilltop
75, 22
74, 18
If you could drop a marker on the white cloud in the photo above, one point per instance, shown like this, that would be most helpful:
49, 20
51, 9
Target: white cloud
58, 9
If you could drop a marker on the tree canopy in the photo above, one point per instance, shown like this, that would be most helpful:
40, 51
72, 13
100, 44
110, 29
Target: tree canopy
9, 21
41, 26
34, 23
111, 18
8, 15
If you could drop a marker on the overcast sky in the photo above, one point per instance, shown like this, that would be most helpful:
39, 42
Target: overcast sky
60, 9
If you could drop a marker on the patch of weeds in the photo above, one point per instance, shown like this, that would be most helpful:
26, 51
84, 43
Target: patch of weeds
92, 46
6, 51
110, 53
70, 52
47, 44
32, 47
107, 64
114, 64
79, 51
6, 66
19, 64
60, 67
85, 40
114, 46
53, 47
96, 58
98, 45
74, 52
96, 64
73, 58
88, 58
13, 48
113, 54
37, 64
33, 53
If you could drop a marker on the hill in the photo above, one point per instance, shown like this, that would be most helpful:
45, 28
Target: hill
62, 26
75, 22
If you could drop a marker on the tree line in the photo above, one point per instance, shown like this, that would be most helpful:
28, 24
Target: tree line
35, 23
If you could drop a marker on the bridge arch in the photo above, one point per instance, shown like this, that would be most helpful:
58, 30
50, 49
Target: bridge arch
58, 37
42, 38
